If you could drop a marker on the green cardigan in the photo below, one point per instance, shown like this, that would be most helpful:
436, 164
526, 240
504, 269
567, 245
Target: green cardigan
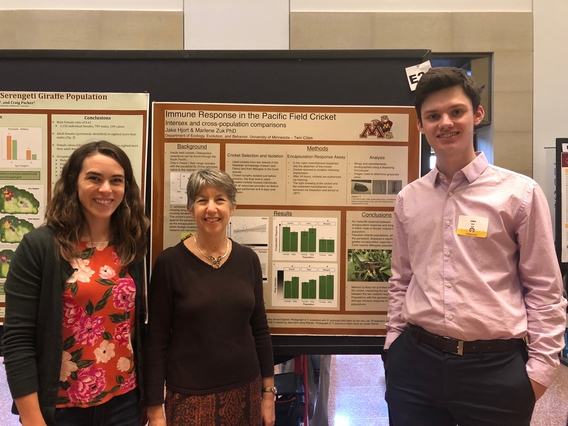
32, 340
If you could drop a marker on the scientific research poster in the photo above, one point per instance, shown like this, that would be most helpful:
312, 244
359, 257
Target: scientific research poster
38, 132
316, 192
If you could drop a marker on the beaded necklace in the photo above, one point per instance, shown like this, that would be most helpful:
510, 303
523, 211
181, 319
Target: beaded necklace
215, 261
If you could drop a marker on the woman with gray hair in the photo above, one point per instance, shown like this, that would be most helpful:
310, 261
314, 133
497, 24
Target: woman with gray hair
208, 337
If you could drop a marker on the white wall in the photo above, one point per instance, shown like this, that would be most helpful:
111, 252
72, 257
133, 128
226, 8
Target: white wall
294, 5
411, 6
210, 25
550, 115
236, 24
162, 5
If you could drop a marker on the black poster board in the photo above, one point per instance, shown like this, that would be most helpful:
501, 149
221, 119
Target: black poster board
561, 204
561, 208
330, 77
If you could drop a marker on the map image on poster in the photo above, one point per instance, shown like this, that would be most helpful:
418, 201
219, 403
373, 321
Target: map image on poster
17, 200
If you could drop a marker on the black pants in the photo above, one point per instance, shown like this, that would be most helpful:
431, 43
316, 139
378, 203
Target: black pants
122, 410
428, 387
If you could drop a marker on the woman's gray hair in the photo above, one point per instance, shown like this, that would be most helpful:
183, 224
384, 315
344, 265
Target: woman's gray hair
217, 179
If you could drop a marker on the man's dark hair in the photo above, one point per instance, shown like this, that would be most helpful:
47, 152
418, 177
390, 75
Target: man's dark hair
441, 78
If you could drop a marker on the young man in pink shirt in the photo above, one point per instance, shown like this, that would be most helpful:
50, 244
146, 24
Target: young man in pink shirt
476, 312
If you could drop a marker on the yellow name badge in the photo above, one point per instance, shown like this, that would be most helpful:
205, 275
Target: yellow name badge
472, 226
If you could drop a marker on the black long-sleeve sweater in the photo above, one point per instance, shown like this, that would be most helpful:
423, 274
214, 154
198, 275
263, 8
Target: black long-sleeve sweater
207, 329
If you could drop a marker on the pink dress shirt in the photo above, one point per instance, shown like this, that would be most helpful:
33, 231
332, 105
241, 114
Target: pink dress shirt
506, 285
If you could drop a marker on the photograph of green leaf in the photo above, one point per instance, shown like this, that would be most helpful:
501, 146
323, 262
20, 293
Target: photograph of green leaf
369, 265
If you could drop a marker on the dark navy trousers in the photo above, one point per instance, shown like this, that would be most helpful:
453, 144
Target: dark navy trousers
428, 387
123, 410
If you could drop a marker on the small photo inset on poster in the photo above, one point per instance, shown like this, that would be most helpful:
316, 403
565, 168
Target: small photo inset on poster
360, 187
394, 186
379, 187
368, 265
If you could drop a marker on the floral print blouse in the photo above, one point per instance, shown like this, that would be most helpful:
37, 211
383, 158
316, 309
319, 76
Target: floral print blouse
98, 320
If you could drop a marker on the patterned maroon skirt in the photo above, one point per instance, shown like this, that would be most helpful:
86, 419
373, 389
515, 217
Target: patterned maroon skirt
235, 407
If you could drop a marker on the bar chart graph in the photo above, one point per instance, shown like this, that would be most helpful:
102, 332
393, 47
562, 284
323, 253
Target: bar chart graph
304, 285
20, 147
305, 238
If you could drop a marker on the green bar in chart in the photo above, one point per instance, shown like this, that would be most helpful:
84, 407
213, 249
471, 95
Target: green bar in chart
308, 241
326, 287
330, 280
331, 246
287, 289
312, 240
289, 240
304, 243
326, 246
294, 241
286, 238
323, 287
14, 149
292, 288
309, 289
295, 287
312, 284
305, 290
